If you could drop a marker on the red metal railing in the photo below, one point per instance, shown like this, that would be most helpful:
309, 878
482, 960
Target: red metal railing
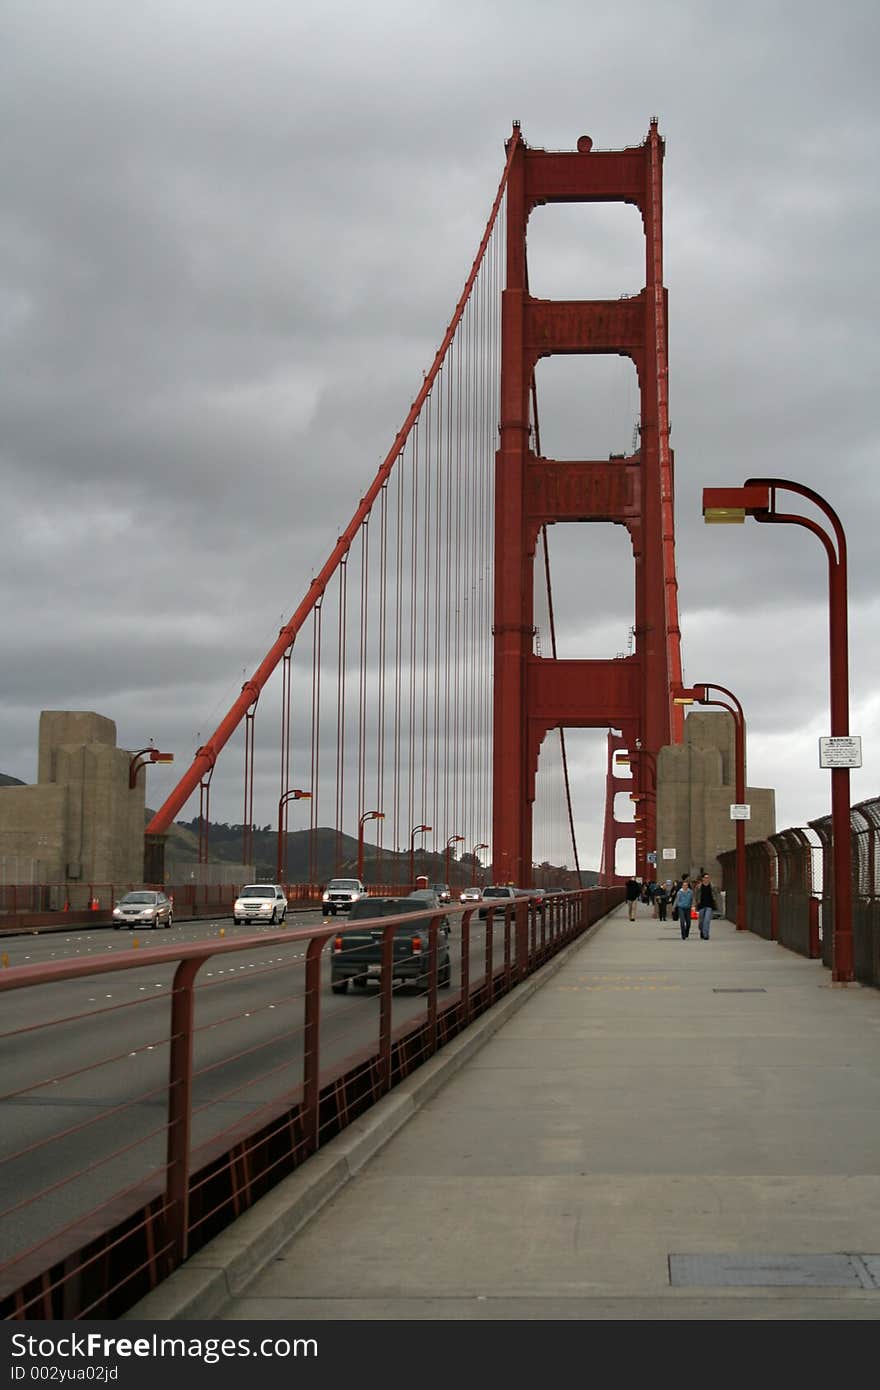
789, 880
147, 1125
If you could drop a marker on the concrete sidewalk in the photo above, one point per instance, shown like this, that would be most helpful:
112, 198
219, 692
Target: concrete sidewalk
664, 1129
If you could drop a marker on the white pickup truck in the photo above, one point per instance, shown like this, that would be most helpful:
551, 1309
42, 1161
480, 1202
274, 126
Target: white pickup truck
498, 896
341, 894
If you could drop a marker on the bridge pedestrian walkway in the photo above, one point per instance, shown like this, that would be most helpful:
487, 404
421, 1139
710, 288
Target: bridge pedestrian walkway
664, 1129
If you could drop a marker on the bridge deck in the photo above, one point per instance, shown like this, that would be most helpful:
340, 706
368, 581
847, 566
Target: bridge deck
653, 1101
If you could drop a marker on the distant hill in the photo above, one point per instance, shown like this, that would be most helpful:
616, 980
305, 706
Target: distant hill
333, 855
7, 781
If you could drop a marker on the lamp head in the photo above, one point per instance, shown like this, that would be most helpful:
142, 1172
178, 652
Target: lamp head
731, 505
688, 694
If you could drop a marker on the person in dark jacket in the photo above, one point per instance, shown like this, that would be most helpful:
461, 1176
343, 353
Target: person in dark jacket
706, 905
633, 893
662, 898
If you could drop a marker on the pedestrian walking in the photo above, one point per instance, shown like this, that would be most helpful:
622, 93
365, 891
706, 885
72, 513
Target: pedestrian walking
684, 901
706, 905
662, 898
633, 891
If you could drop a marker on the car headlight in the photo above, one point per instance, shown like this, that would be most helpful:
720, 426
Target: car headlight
325, 897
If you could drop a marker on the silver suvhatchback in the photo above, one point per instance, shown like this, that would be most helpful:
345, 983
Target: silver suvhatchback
143, 908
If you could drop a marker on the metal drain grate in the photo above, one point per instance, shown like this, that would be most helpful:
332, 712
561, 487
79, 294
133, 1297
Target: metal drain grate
779, 1271
758, 990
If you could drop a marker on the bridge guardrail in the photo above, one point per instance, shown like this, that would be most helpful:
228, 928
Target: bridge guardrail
788, 879
181, 1102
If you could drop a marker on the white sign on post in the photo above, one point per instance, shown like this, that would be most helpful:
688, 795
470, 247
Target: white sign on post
740, 810
840, 751
670, 853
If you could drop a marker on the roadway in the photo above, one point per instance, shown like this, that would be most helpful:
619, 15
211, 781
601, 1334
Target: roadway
90, 1057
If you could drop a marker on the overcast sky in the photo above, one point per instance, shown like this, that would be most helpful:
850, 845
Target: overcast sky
232, 236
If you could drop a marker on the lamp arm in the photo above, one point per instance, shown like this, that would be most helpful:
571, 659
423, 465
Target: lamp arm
737, 711
802, 490
792, 519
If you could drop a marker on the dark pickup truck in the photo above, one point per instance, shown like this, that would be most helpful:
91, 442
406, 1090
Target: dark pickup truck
357, 955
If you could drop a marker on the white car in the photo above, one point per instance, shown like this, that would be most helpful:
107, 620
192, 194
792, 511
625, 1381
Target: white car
260, 902
341, 894
471, 895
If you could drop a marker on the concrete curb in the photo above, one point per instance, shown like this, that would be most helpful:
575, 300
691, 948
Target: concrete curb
201, 1288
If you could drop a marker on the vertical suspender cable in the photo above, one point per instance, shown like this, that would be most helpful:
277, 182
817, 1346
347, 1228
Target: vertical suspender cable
285, 750
316, 739
380, 669
411, 731
363, 628
398, 657
424, 608
340, 706
433, 596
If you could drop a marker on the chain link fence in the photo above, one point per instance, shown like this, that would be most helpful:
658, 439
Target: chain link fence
789, 889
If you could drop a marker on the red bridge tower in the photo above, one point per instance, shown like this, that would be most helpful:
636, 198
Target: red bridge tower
534, 694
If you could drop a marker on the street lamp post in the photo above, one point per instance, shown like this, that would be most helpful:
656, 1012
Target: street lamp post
453, 840
368, 815
700, 693
481, 845
757, 498
416, 830
140, 759
294, 794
